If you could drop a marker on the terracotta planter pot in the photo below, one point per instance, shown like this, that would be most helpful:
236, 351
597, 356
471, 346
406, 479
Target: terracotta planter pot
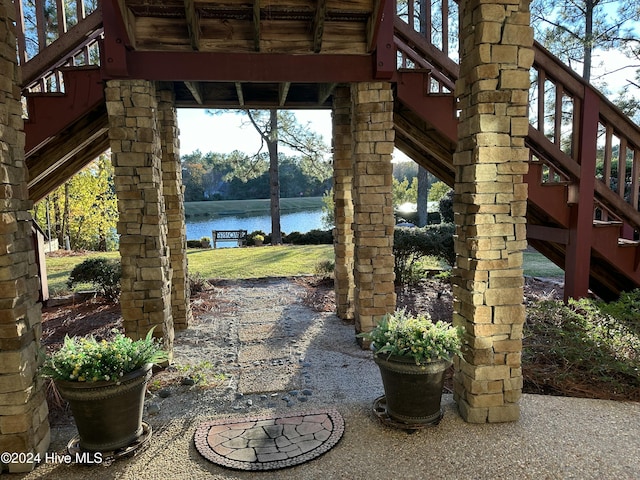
108, 415
413, 392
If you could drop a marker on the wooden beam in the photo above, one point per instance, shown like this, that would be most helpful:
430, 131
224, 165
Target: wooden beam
64, 156
247, 67
116, 39
128, 23
318, 25
62, 18
240, 94
283, 91
196, 91
382, 37
324, 92
373, 24
193, 24
256, 25
548, 234
410, 137
69, 168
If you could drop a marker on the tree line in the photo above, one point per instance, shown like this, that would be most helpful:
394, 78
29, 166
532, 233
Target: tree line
223, 176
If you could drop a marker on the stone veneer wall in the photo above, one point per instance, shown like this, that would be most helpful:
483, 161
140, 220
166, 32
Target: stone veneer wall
343, 202
490, 206
373, 143
136, 155
174, 205
24, 425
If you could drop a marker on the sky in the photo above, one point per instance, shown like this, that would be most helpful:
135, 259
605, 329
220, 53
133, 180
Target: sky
225, 133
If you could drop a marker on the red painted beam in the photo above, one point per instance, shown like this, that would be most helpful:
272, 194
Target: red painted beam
246, 67
113, 50
385, 52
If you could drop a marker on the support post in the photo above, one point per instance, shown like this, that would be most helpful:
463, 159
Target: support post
24, 424
490, 203
145, 296
174, 205
343, 202
373, 143
578, 256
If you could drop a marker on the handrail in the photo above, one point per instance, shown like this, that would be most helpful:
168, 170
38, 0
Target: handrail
54, 35
556, 107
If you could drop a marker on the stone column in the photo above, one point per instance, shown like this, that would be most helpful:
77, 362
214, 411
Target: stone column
490, 206
343, 202
142, 225
174, 205
373, 141
24, 425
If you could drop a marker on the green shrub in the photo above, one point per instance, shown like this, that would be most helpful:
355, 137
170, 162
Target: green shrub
313, 237
325, 268
102, 273
445, 206
410, 245
251, 237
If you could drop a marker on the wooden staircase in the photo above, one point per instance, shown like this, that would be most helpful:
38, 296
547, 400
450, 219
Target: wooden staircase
575, 215
65, 131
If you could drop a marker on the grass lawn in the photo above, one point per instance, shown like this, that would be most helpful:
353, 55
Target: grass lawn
537, 265
255, 206
259, 262
255, 262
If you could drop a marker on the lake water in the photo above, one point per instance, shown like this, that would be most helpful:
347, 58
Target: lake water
289, 222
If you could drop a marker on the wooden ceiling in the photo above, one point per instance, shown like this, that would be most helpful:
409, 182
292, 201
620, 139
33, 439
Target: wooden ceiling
249, 54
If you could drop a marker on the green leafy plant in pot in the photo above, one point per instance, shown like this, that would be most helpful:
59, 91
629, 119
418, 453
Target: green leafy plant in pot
104, 382
413, 353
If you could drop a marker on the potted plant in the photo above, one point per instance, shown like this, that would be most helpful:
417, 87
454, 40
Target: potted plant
258, 239
413, 353
205, 242
104, 383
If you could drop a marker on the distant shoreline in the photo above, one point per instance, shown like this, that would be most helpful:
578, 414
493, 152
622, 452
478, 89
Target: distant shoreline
251, 206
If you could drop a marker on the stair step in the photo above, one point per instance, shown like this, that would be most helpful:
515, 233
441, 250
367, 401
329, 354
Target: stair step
414, 70
625, 242
610, 223
44, 94
560, 182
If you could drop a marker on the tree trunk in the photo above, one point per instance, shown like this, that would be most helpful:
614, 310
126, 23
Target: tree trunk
57, 219
274, 179
65, 215
423, 195
588, 40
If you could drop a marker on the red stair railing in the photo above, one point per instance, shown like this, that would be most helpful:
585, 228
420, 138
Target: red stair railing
577, 138
557, 109
55, 34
